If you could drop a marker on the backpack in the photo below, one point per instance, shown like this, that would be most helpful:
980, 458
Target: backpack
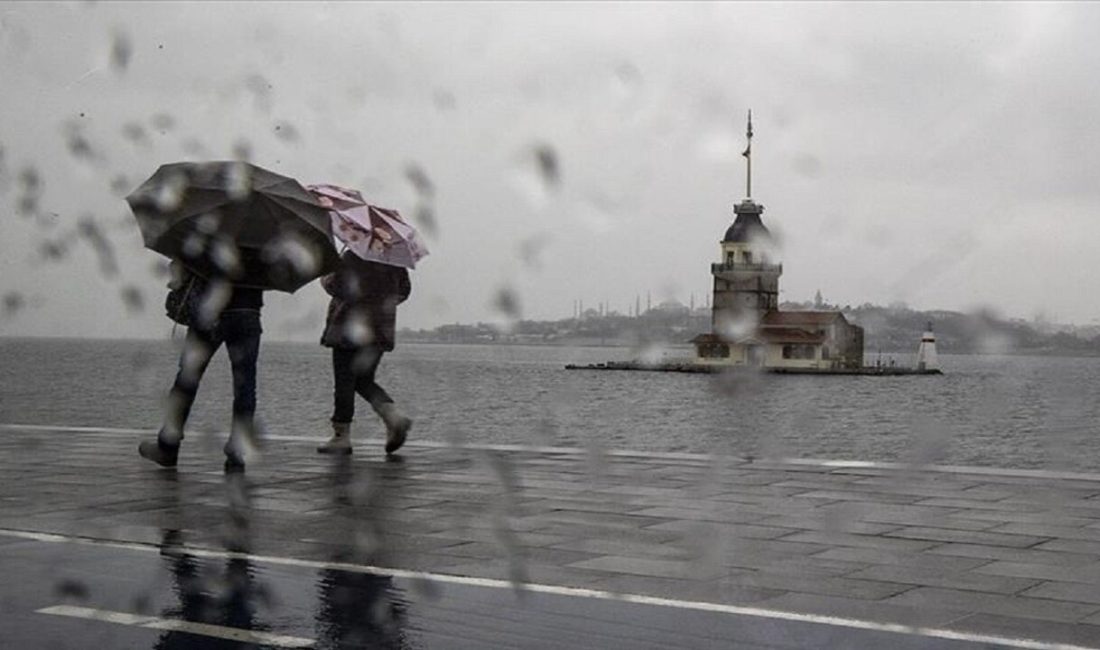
178, 303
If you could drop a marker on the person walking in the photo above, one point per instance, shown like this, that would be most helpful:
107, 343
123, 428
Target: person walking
359, 328
217, 312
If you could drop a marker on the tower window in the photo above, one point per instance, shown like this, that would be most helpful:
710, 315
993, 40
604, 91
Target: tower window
748, 257
729, 257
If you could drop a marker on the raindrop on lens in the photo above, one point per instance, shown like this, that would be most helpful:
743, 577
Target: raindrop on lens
170, 194
121, 51
238, 182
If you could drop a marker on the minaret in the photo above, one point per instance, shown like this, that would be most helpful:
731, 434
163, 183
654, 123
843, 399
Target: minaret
746, 280
926, 353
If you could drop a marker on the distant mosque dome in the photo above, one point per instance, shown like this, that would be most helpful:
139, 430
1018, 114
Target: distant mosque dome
747, 227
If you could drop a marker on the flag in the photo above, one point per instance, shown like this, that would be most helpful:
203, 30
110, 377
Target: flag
747, 151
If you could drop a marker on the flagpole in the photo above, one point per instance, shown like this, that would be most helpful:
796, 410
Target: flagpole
748, 156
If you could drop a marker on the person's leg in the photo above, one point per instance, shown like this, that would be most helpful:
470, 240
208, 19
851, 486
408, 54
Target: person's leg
343, 398
365, 367
198, 348
242, 341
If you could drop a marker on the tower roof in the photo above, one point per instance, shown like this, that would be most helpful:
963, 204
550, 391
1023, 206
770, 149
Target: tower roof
747, 226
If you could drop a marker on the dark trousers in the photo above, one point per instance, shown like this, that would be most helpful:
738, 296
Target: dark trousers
353, 372
239, 330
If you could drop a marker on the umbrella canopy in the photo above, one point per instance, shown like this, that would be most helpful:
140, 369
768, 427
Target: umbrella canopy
235, 221
372, 233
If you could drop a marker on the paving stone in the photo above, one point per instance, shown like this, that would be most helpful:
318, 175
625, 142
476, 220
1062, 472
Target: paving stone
1086, 574
842, 541
1071, 546
834, 524
725, 530
929, 577
1071, 591
1030, 555
912, 515
671, 550
1049, 530
859, 541
873, 497
966, 536
1012, 606
922, 559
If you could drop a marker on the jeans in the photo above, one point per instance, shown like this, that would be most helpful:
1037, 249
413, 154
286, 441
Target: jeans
353, 372
240, 330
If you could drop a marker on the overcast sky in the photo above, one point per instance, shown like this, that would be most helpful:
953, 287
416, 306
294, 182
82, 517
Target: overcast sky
944, 155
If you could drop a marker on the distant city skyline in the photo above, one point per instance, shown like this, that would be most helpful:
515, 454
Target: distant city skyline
939, 155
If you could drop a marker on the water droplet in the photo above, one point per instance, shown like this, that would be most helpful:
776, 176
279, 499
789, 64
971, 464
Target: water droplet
444, 100
260, 89
548, 165
238, 181
93, 234
135, 133
162, 122
531, 248
171, 192
212, 302
53, 251
13, 302
292, 256
78, 144
286, 131
121, 51
226, 257
426, 588
420, 181
242, 150
506, 302
424, 216
133, 299
120, 185
71, 588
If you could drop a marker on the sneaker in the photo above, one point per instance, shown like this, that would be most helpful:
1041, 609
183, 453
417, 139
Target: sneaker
158, 452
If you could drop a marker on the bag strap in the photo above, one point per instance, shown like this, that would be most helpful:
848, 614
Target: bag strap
183, 305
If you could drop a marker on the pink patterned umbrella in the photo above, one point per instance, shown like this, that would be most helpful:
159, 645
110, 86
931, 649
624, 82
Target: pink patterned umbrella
373, 233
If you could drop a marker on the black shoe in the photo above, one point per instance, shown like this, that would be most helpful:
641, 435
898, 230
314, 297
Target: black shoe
234, 461
159, 453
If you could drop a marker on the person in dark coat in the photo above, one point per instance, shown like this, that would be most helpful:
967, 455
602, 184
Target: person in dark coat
219, 312
360, 327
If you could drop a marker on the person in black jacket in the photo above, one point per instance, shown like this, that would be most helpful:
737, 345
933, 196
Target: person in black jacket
219, 312
360, 328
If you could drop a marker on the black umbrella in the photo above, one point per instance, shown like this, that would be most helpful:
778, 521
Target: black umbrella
236, 221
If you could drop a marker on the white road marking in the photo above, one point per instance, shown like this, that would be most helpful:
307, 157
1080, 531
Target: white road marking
627, 453
575, 592
155, 623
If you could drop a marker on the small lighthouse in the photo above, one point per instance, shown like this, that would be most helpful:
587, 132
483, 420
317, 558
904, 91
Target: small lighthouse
926, 353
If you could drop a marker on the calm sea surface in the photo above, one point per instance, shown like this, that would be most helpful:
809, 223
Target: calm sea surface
1025, 412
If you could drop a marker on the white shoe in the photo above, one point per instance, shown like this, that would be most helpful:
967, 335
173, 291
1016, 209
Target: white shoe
340, 442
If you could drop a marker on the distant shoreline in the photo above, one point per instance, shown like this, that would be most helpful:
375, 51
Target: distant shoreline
868, 356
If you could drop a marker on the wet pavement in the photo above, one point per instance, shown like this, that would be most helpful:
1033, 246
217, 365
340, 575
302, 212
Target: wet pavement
520, 547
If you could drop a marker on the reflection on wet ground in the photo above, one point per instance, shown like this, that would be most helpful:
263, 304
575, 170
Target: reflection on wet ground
435, 550
187, 601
